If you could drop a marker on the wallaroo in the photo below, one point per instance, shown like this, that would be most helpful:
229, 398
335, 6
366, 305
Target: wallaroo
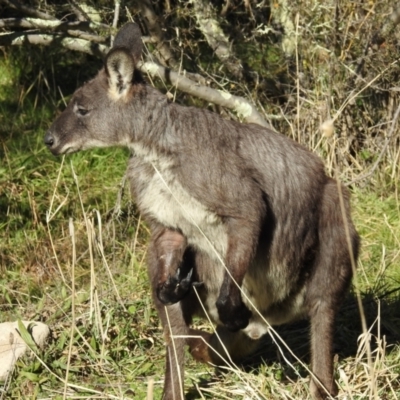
245, 224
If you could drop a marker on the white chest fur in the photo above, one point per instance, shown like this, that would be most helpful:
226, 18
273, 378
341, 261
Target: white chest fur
163, 197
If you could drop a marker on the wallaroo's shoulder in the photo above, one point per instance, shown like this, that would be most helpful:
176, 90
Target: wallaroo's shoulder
210, 122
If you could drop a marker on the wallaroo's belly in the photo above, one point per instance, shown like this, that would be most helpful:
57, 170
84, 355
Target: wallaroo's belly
270, 304
163, 198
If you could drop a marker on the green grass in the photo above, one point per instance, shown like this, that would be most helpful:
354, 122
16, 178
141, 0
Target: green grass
105, 331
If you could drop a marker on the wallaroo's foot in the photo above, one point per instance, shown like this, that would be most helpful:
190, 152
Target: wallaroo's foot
233, 316
176, 287
318, 392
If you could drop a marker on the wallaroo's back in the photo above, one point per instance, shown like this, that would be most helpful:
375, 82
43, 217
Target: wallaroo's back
245, 224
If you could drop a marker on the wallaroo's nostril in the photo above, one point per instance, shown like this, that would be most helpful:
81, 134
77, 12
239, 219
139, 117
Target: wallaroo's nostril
48, 139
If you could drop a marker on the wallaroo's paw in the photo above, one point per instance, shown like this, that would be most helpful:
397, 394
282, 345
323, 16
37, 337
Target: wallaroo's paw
175, 288
321, 392
233, 316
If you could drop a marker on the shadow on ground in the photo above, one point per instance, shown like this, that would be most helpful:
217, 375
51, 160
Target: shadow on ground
382, 313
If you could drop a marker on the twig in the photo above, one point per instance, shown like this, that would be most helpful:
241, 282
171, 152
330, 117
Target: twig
116, 13
73, 294
116, 17
27, 10
385, 146
154, 26
238, 104
72, 28
85, 46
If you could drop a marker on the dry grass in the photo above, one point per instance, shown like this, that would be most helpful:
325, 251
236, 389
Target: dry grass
73, 246
107, 342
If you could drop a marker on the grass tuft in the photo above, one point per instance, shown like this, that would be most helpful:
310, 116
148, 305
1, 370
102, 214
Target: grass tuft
73, 250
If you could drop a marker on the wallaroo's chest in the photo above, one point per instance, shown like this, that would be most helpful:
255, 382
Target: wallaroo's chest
161, 196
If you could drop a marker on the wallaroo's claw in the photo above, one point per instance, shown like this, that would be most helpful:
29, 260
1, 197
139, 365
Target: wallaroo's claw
185, 281
189, 275
175, 288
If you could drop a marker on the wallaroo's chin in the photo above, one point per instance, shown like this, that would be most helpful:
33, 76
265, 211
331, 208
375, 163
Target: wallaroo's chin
57, 149
68, 150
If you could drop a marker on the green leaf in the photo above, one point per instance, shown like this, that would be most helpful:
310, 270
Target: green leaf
132, 309
26, 336
31, 376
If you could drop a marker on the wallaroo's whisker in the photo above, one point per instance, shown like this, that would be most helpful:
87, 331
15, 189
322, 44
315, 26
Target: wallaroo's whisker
246, 227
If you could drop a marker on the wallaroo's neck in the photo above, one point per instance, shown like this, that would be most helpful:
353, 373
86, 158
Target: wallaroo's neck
151, 121
157, 125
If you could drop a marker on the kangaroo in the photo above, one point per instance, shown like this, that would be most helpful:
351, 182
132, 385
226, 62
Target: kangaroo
245, 224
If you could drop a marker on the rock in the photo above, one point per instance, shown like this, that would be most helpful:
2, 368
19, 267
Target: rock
12, 346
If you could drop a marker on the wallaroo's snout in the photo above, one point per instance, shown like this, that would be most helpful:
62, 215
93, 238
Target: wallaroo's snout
53, 144
49, 140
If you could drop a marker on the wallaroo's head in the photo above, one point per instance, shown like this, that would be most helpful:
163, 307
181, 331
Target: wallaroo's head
95, 115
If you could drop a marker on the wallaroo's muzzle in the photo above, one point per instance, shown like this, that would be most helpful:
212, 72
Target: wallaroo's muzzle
49, 140
52, 143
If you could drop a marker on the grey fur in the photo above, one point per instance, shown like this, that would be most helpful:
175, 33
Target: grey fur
220, 195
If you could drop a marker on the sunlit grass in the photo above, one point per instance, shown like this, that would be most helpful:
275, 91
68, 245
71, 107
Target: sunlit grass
117, 346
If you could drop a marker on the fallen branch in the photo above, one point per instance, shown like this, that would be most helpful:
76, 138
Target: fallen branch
153, 24
27, 10
207, 21
239, 105
75, 29
54, 24
85, 46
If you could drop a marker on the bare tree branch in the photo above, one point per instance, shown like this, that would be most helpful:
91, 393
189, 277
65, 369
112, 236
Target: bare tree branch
153, 25
72, 28
116, 13
207, 20
238, 104
77, 9
39, 23
116, 18
27, 10
86, 13
282, 14
20, 38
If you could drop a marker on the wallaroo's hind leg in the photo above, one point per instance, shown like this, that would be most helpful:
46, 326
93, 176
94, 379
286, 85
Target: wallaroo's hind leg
174, 322
322, 385
339, 243
175, 329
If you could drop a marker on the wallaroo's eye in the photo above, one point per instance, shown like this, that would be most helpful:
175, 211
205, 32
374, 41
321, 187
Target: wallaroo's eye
80, 110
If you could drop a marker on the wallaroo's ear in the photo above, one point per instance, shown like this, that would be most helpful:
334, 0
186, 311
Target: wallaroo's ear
120, 67
130, 38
